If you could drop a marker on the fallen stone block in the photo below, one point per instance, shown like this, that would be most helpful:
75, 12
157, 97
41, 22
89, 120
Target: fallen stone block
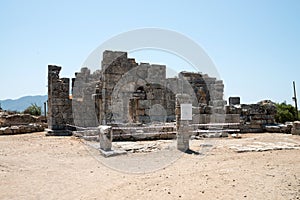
7, 131
296, 124
272, 128
296, 128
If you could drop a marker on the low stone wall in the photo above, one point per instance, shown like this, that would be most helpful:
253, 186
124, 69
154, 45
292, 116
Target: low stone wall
215, 118
279, 128
21, 129
254, 118
19, 119
132, 133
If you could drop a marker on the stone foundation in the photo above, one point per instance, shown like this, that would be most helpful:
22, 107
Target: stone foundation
20, 129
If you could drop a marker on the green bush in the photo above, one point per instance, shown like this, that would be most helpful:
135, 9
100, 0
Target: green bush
285, 113
33, 109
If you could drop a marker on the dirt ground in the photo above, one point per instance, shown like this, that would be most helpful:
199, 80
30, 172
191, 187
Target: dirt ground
33, 166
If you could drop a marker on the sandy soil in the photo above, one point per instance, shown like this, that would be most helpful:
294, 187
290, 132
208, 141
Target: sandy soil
33, 166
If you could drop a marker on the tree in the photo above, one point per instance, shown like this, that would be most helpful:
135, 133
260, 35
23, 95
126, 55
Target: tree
285, 113
33, 109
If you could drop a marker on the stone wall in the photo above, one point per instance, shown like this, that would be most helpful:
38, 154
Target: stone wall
209, 97
83, 101
124, 91
20, 123
59, 102
137, 92
20, 129
114, 66
253, 117
18, 119
133, 92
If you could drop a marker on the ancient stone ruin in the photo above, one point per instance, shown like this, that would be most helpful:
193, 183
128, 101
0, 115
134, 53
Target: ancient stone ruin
59, 102
124, 91
20, 123
253, 117
139, 101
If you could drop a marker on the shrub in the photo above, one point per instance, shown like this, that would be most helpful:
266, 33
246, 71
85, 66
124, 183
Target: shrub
285, 113
33, 109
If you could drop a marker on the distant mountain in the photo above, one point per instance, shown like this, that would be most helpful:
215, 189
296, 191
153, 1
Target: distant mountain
22, 103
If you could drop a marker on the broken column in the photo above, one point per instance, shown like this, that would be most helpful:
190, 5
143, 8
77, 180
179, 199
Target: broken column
105, 136
183, 117
59, 102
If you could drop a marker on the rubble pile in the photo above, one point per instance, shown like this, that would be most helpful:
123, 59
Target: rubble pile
254, 118
29, 128
20, 123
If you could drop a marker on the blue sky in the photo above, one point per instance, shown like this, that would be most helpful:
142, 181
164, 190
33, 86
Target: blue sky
255, 45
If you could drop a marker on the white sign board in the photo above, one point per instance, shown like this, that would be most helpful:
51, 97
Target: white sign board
186, 112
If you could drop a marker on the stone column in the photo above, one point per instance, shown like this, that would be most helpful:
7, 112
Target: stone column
59, 103
182, 124
53, 77
105, 134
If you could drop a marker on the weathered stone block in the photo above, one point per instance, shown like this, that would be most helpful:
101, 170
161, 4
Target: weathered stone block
296, 128
234, 100
105, 135
7, 131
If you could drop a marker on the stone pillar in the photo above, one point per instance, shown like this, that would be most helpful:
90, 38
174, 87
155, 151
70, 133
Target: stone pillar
53, 76
182, 123
59, 102
105, 134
